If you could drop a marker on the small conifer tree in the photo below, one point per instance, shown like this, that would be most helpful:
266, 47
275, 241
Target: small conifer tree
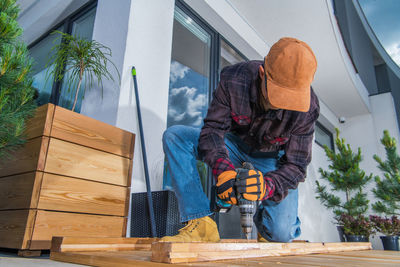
16, 91
344, 175
387, 189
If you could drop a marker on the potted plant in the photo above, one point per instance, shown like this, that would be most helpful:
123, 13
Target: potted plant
356, 228
81, 62
387, 192
16, 91
390, 227
344, 175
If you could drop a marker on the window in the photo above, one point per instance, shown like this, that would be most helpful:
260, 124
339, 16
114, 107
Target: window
198, 54
323, 136
79, 24
189, 85
229, 56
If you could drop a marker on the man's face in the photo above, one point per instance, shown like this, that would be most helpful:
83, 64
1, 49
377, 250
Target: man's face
263, 77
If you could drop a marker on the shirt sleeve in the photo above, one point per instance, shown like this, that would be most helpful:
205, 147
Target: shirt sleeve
293, 164
217, 122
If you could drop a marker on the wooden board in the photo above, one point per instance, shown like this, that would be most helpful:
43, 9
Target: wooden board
142, 258
20, 191
118, 256
30, 157
40, 123
69, 159
107, 258
194, 252
79, 129
16, 228
75, 244
51, 223
76, 195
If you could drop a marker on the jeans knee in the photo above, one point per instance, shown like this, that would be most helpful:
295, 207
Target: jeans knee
171, 133
280, 234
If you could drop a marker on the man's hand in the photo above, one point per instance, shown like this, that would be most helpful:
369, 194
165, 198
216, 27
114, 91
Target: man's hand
225, 183
250, 184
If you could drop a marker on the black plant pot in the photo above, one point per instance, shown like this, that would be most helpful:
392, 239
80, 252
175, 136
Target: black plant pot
356, 238
341, 233
390, 242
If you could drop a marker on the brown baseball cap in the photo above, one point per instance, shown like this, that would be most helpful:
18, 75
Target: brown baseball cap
290, 67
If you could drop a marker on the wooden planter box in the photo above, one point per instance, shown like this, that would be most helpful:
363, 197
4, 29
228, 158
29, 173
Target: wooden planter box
71, 178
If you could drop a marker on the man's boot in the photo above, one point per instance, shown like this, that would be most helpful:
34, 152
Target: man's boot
261, 239
202, 229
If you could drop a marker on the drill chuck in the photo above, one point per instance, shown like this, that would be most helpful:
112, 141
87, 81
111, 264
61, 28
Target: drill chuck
246, 208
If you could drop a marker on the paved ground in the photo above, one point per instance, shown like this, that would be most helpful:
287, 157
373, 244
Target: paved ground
10, 259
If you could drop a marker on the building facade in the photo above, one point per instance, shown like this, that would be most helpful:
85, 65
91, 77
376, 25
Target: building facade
179, 47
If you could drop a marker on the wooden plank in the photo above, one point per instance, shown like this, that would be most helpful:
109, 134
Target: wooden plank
40, 123
75, 244
80, 129
65, 158
313, 260
192, 252
107, 259
141, 258
50, 223
361, 260
381, 254
20, 191
29, 157
16, 228
76, 195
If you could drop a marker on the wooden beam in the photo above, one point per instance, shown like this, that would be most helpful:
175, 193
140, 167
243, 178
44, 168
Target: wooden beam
29, 157
74, 244
74, 160
77, 195
20, 191
40, 123
111, 258
194, 252
75, 128
51, 223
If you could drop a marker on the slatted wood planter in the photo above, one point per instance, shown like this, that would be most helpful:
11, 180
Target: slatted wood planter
71, 178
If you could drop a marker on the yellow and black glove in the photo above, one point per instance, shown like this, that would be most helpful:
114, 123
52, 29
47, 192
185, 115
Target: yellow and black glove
250, 184
225, 184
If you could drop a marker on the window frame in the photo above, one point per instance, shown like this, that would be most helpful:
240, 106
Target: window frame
215, 54
66, 24
329, 133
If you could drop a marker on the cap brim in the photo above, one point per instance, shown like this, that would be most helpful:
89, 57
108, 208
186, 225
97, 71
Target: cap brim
286, 98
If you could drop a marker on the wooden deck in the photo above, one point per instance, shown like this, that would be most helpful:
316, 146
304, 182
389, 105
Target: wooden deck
148, 252
143, 258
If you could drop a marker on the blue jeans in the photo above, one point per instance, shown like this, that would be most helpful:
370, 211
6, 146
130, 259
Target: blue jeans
274, 221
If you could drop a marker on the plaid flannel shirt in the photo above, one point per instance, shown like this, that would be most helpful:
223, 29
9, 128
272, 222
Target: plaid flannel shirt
236, 108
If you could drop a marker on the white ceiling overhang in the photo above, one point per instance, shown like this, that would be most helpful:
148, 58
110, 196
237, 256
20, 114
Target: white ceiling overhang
336, 82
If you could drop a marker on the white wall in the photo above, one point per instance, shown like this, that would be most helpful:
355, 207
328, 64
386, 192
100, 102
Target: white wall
148, 48
110, 29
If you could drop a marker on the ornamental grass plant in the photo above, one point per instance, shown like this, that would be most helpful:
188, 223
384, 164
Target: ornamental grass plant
81, 62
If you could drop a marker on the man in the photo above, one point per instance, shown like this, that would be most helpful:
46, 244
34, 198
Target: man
263, 113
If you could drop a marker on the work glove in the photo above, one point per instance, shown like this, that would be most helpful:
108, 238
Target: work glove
250, 184
225, 184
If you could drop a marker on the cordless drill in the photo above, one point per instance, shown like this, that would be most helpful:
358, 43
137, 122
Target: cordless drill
246, 207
